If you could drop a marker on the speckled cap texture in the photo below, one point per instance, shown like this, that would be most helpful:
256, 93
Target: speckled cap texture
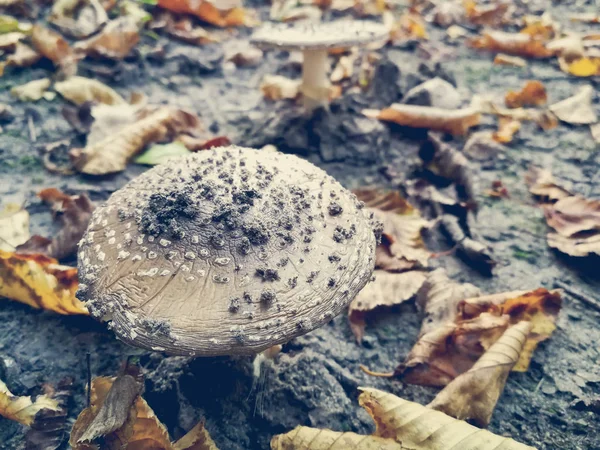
315, 36
227, 251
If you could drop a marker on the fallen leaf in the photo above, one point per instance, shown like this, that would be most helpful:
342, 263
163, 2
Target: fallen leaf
584, 67
115, 41
577, 109
402, 247
9, 24
32, 91
532, 94
197, 438
507, 128
492, 15
481, 146
109, 149
23, 56
53, 46
585, 17
506, 60
22, 409
595, 130
49, 429
542, 184
408, 26
158, 154
498, 190
14, 227
473, 395
40, 282
578, 246
516, 44
195, 144
420, 428
457, 121
78, 18
8, 41
388, 289
344, 68
306, 438
222, 14
185, 30
277, 87
73, 213
572, 215
80, 90
478, 254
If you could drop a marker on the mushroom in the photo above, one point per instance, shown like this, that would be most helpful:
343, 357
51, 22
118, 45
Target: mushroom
315, 39
223, 252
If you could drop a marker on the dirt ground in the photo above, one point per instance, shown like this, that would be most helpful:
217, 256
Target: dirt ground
554, 405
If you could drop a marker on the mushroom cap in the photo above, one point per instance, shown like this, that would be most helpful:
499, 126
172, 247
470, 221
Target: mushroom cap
226, 251
317, 36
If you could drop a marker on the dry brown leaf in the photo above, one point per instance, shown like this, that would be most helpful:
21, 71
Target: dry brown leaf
402, 247
73, 213
532, 94
185, 30
344, 68
420, 428
78, 18
221, 13
80, 90
305, 438
14, 227
112, 144
53, 46
22, 409
478, 254
572, 215
516, 44
577, 109
473, 395
456, 121
388, 289
542, 184
115, 41
491, 15
23, 56
578, 246
507, 128
277, 87
40, 282
32, 91
408, 26
507, 60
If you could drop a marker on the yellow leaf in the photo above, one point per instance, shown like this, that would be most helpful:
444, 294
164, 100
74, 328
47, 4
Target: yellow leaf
22, 409
40, 282
584, 67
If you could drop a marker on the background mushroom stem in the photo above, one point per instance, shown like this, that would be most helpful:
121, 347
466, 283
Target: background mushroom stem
315, 82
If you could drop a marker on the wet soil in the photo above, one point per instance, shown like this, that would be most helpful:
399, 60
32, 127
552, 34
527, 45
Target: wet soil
314, 381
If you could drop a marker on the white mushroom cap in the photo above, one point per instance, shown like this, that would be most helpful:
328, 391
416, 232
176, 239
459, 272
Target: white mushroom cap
228, 251
322, 35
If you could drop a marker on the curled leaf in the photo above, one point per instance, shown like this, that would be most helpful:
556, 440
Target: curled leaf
53, 46
73, 213
80, 90
305, 438
516, 44
457, 121
388, 289
40, 282
22, 409
115, 41
572, 215
532, 94
577, 109
402, 247
578, 246
78, 18
473, 395
421, 428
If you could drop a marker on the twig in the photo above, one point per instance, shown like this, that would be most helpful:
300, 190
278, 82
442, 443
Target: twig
575, 293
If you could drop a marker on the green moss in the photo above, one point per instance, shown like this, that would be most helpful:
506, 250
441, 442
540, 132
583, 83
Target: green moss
523, 255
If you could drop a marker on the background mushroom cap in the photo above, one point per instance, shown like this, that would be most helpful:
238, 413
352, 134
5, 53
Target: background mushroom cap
322, 35
227, 251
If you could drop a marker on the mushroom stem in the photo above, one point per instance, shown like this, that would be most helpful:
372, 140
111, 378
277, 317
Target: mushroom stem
315, 82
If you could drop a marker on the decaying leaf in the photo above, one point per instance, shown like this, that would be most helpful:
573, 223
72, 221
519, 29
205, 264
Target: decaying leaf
516, 44
578, 246
53, 46
73, 213
226, 13
420, 428
22, 409
543, 185
277, 87
457, 121
14, 227
119, 418
158, 154
532, 94
572, 215
473, 395
306, 438
491, 15
109, 149
32, 91
388, 289
78, 18
402, 247
507, 128
80, 90
115, 41
40, 282
577, 109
